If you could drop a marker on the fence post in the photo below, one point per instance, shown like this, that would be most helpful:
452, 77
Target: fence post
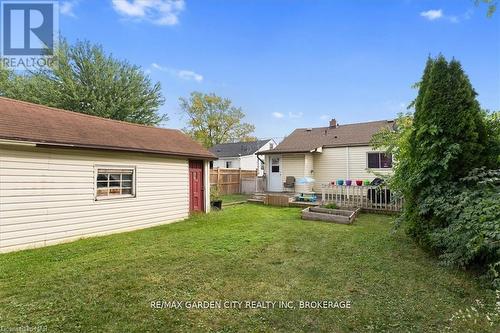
218, 180
239, 180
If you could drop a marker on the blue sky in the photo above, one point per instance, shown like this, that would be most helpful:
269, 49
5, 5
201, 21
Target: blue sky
293, 63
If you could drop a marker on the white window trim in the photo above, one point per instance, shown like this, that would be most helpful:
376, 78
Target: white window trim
113, 166
379, 152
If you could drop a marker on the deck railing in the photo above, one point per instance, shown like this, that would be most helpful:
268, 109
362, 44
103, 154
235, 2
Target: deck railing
367, 197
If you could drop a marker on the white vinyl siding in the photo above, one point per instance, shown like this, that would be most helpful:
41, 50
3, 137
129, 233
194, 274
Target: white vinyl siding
358, 168
47, 195
329, 165
309, 165
248, 162
292, 165
222, 163
343, 163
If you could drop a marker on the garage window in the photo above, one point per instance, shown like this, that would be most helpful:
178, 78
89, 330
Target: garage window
115, 182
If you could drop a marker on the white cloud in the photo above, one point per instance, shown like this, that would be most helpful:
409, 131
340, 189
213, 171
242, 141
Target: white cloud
295, 115
278, 115
432, 14
183, 74
438, 14
67, 7
161, 12
190, 75
324, 117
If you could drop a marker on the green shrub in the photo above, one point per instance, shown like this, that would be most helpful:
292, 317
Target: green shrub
331, 206
215, 193
471, 210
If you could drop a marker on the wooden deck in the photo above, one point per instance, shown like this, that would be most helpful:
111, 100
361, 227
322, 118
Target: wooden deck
282, 199
374, 199
369, 198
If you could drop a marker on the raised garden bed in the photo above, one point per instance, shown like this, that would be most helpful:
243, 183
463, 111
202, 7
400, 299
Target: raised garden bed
330, 215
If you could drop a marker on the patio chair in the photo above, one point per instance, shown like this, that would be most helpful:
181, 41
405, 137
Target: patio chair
289, 183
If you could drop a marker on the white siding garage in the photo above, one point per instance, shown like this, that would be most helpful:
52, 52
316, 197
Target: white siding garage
65, 175
48, 195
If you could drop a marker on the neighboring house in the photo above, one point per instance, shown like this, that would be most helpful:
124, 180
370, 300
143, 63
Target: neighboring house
327, 154
65, 175
241, 155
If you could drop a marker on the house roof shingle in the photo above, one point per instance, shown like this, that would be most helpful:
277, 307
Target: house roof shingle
238, 148
307, 139
23, 121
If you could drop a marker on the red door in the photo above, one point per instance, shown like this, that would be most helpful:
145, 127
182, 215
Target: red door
196, 192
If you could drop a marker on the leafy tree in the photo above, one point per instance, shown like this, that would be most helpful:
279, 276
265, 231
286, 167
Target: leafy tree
492, 6
213, 119
447, 167
448, 140
492, 122
450, 136
85, 79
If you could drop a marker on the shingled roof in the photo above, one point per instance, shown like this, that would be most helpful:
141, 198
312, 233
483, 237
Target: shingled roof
238, 148
307, 139
23, 121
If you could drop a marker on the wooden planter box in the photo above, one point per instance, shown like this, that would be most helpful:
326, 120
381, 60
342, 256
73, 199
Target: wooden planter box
329, 215
277, 200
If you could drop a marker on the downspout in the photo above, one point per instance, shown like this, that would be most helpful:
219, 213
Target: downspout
263, 164
348, 171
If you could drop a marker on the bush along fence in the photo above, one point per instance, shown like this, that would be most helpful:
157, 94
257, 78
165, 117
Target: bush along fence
372, 198
229, 181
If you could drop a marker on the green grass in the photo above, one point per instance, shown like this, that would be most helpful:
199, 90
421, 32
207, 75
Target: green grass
246, 252
230, 198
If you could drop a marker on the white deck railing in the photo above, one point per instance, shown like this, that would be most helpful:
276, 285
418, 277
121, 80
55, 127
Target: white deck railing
368, 197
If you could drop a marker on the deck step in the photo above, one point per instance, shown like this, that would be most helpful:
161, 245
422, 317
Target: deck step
255, 200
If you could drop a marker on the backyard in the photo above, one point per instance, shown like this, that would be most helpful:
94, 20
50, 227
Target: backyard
233, 198
245, 252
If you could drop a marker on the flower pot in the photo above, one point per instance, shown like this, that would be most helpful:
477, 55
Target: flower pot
359, 182
348, 182
216, 204
340, 182
367, 183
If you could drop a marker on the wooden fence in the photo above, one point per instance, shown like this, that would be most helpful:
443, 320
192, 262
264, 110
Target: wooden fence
251, 185
377, 198
229, 180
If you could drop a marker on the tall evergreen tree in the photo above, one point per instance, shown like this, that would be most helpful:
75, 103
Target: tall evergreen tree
447, 142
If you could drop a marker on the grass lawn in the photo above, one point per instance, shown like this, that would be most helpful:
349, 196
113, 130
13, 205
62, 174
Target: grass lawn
246, 252
230, 198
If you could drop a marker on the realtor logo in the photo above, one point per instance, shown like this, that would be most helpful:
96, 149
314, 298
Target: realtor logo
29, 31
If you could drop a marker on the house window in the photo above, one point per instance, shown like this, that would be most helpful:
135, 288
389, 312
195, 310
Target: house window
229, 164
275, 164
112, 183
271, 146
379, 160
